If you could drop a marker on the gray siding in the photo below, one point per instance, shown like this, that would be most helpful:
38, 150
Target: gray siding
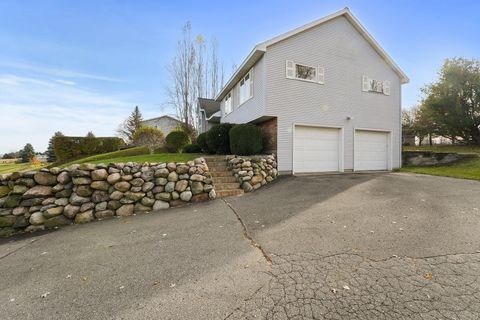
346, 56
165, 124
253, 108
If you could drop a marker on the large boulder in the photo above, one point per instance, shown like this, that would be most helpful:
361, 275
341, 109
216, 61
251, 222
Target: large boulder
57, 221
53, 212
84, 191
181, 185
100, 185
114, 178
38, 191
160, 205
45, 178
70, 211
77, 200
84, 217
172, 176
100, 196
104, 214
125, 210
122, 186
100, 174
161, 173
63, 177
186, 196
197, 187
82, 180
37, 218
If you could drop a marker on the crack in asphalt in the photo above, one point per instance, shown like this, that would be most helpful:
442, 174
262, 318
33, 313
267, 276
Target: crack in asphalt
18, 249
247, 235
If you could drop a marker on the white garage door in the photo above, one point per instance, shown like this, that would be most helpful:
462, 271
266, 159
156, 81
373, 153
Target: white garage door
316, 149
371, 150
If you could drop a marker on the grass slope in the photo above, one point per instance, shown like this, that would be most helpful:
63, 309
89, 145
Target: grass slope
139, 155
17, 167
464, 169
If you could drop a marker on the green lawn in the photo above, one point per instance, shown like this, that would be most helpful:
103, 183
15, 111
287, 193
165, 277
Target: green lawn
17, 167
464, 169
138, 155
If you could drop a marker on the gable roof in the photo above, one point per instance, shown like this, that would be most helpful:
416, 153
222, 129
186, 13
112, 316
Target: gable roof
164, 116
261, 48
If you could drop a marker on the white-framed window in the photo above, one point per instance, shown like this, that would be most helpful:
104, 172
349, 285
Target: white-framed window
246, 87
378, 86
299, 71
228, 103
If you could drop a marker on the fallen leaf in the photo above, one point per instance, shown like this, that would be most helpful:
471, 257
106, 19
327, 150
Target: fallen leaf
121, 287
156, 282
84, 279
333, 290
371, 231
12, 299
45, 294
69, 276
125, 221
346, 287
172, 285
428, 276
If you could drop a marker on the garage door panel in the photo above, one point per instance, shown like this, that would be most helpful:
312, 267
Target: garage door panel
371, 150
316, 149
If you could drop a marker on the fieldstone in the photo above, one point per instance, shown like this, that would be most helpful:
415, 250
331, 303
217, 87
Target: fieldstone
125, 210
38, 191
137, 182
207, 187
114, 204
256, 186
6, 212
34, 208
7, 232
100, 185
147, 175
26, 182
77, 200
63, 178
175, 195
48, 201
141, 208
20, 222
147, 201
172, 176
269, 179
99, 196
52, 212
122, 186
84, 191
136, 189
57, 188
4, 190
87, 206
61, 202
116, 195
160, 205
101, 206
171, 166
64, 193
79, 173
197, 177
170, 186
192, 170
197, 187
147, 186
182, 168
112, 170
81, 180
186, 195
48, 206
19, 211
45, 178
99, 174
32, 228
57, 221
12, 201
165, 196
7, 221
161, 181
104, 214
181, 185
87, 166
37, 218
114, 178
84, 217
200, 197
256, 179
127, 177
212, 194
247, 187
158, 189
70, 211
19, 189
161, 173
134, 196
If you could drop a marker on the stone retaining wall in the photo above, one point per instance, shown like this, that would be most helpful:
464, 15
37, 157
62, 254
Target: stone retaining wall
254, 171
83, 193
428, 158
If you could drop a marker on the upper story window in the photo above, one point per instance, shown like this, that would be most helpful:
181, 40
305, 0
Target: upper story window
228, 103
246, 87
304, 72
372, 85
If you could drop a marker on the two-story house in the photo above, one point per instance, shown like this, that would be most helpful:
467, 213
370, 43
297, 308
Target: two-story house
327, 95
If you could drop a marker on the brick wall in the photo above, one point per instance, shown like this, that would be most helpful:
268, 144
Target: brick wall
269, 130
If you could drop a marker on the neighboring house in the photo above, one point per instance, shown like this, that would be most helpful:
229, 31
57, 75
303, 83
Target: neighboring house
165, 123
209, 114
326, 94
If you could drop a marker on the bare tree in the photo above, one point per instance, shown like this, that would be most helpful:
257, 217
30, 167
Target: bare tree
195, 72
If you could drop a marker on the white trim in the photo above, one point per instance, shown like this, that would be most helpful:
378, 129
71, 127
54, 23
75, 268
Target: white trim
389, 146
341, 147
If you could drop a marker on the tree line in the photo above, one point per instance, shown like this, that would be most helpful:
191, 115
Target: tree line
450, 106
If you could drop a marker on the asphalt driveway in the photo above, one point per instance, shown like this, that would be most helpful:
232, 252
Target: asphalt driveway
353, 246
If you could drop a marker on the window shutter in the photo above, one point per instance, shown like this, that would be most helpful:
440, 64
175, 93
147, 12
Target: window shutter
251, 83
290, 69
365, 84
321, 75
386, 88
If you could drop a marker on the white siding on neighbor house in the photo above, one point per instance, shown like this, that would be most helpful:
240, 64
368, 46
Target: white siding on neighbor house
345, 56
165, 124
252, 108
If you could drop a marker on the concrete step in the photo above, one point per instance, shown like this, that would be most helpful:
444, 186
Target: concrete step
228, 193
215, 159
224, 179
221, 173
227, 186
218, 168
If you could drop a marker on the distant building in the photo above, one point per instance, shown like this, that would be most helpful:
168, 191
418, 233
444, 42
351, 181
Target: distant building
164, 123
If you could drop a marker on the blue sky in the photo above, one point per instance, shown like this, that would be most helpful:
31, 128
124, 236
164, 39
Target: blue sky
79, 66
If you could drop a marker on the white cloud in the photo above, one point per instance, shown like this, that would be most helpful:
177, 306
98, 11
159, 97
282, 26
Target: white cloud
32, 109
65, 82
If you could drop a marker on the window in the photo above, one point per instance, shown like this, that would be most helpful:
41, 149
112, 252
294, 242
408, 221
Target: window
246, 87
372, 85
228, 103
303, 72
